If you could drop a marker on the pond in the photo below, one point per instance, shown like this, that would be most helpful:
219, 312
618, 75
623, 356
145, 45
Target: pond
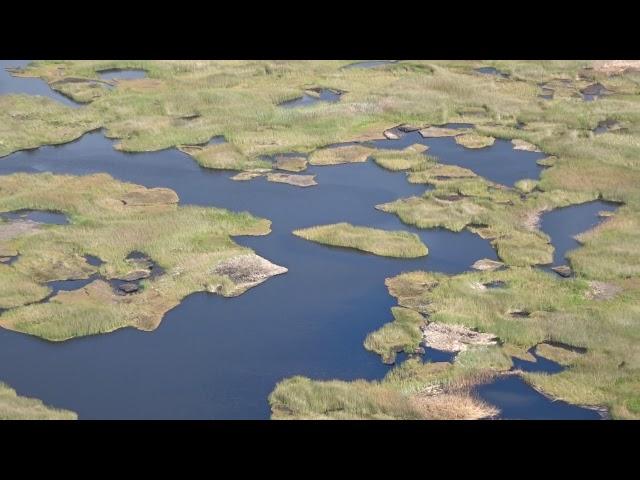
320, 95
563, 224
38, 216
121, 74
520, 401
370, 63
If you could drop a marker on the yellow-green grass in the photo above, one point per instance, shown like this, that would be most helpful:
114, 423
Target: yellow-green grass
341, 154
379, 242
28, 122
473, 140
401, 335
189, 243
224, 156
411, 391
16, 407
188, 102
395, 160
506, 218
560, 310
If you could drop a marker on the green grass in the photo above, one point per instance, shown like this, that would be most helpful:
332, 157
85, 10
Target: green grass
560, 310
188, 242
15, 407
338, 155
401, 335
239, 99
224, 156
411, 391
407, 159
28, 122
473, 140
379, 242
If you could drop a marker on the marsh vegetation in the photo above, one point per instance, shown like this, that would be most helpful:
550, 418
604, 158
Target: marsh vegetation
185, 104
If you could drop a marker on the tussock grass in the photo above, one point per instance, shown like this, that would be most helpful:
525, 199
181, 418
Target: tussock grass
379, 242
411, 391
473, 140
27, 122
15, 407
401, 160
341, 154
561, 310
403, 334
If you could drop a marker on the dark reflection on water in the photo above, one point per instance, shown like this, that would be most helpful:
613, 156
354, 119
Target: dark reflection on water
519, 401
541, 365
30, 86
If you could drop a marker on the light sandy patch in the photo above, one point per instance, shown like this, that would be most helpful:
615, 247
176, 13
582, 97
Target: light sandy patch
296, 180
454, 338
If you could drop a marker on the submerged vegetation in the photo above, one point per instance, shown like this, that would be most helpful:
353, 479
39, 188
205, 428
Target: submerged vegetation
379, 242
184, 104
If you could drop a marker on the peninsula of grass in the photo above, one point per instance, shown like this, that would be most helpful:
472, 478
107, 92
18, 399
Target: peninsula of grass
385, 243
16, 407
110, 220
412, 391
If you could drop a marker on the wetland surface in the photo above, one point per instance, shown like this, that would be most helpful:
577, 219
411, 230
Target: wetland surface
215, 357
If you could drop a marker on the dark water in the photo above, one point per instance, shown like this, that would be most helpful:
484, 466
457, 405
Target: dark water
546, 93
541, 365
492, 71
593, 92
325, 95
434, 355
499, 163
119, 74
370, 63
30, 86
220, 358
519, 401
40, 216
565, 223
214, 357
606, 125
